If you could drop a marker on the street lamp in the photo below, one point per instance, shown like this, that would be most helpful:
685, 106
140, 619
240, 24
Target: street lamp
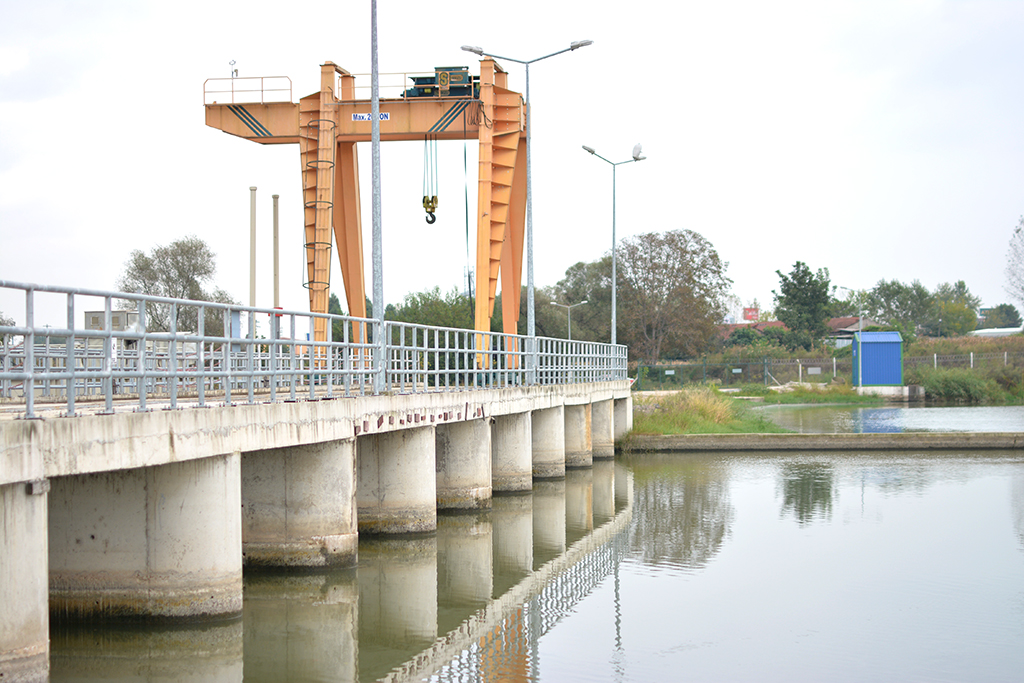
637, 156
530, 316
860, 336
568, 309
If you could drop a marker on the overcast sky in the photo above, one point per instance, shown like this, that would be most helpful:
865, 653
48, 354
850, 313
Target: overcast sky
879, 140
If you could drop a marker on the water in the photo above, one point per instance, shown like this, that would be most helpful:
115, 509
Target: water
832, 419
897, 566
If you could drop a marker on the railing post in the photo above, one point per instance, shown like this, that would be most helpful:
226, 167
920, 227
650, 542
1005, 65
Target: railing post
28, 385
108, 361
172, 380
143, 382
69, 348
380, 379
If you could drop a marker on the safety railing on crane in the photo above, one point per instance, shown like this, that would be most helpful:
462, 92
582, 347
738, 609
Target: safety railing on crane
139, 351
247, 90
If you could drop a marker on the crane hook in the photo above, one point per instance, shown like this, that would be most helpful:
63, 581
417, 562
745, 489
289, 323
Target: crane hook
430, 205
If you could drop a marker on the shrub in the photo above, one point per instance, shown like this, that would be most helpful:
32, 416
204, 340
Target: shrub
960, 385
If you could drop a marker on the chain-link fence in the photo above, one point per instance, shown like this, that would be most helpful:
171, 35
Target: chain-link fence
774, 371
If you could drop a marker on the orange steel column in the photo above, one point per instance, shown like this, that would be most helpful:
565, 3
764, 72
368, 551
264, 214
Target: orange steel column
318, 126
499, 147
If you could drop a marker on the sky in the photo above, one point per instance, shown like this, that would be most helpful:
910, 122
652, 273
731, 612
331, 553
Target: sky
880, 140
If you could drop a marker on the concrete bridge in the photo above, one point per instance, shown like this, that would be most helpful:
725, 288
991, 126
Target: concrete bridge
133, 485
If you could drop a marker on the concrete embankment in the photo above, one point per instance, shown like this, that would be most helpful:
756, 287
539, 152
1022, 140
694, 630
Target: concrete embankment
823, 442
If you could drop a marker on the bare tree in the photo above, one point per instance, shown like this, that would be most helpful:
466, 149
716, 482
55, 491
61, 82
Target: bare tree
674, 293
1015, 264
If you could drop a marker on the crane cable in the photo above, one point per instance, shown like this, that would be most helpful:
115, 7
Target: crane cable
430, 176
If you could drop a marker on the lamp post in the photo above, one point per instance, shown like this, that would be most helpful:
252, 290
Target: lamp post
637, 156
530, 315
568, 309
860, 349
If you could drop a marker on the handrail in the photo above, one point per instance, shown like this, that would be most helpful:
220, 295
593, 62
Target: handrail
241, 85
277, 357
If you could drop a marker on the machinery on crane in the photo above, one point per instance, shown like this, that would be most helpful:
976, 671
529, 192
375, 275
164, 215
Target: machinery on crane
450, 104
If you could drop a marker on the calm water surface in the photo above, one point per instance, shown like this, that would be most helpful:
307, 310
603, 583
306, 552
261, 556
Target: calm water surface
725, 567
832, 419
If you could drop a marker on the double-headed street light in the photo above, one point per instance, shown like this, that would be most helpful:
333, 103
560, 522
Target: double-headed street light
530, 316
568, 309
637, 156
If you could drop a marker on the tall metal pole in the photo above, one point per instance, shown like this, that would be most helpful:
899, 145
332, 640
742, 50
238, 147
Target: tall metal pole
615, 281
378, 252
531, 316
277, 257
252, 246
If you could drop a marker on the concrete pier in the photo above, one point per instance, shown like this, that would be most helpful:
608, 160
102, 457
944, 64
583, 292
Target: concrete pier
602, 429
396, 482
463, 465
24, 621
579, 450
623, 416
512, 453
548, 439
158, 542
299, 506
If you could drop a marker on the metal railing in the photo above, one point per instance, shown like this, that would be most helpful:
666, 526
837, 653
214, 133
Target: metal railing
177, 351
247, 90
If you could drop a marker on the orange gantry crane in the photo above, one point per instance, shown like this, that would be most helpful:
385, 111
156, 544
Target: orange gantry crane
450, 105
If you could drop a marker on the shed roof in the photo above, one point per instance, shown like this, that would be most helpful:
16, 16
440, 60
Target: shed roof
878, 337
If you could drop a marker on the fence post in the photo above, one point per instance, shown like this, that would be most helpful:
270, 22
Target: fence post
935, 361
972, 360
705, 369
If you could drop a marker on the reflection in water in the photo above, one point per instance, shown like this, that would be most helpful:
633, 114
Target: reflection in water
301, 627
682, 509
838, 419
807, 490
397, 601
904, 566
88, 652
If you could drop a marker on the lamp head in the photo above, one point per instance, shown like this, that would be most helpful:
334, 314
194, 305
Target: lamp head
637, 156
580, 43
589, 149
474, 49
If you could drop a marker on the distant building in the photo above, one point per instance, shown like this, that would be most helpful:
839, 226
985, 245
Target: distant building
842, 329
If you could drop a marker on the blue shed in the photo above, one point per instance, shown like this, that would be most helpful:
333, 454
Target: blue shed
882, 359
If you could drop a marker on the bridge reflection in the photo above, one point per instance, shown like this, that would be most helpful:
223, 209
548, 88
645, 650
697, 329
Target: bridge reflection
471, 600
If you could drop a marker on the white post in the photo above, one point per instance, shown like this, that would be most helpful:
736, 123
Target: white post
252, 246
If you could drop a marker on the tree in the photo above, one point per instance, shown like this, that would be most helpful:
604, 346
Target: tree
905, 307
802, 302
673, 294
590, 282
453, 309
1003, 315
1015, 264
954, 319
5, 321
180, 270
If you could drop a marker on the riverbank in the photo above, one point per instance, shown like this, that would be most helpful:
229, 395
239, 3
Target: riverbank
654, 443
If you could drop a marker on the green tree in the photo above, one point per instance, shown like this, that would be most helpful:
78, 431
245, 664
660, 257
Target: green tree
904, 307
590, 282
180, 270
743, 336
957, 293
802, 302
673, 294
954, 319
1015, 264
453, 309
4, 320
1003, 315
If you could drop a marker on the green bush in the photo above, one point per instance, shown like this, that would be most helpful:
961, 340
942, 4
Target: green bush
960, 385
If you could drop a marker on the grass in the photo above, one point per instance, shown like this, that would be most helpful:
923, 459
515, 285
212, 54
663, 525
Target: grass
697, 410
963, 385
839, 394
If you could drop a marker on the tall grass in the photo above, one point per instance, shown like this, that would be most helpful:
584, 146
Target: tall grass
696, 410
958, 385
